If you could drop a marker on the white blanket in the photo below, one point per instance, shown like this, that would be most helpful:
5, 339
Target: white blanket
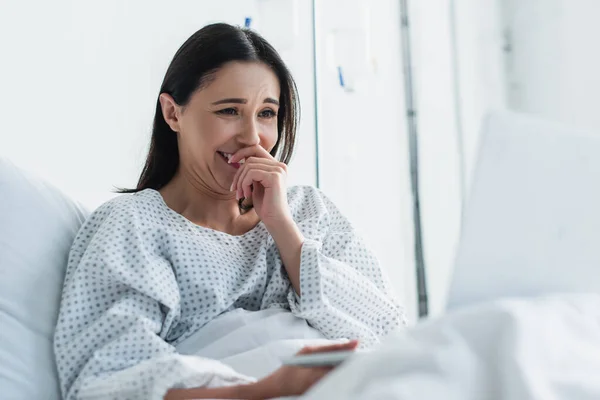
253, 343
235, 348
535, 349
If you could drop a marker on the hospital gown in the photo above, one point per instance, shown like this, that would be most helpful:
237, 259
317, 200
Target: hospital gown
141, 278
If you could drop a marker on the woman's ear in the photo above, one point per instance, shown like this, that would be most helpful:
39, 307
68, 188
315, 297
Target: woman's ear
170, 111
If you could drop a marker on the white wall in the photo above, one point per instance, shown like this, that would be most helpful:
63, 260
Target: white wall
363, 146
80, 82
458, 67
439, 162
480, 61
554, 62
533, 56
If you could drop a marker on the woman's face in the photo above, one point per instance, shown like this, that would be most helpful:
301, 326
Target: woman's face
237, 108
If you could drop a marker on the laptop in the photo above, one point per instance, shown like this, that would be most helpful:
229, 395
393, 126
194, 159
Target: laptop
532, 220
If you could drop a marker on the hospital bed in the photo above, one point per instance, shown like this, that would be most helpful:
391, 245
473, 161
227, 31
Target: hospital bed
539, 344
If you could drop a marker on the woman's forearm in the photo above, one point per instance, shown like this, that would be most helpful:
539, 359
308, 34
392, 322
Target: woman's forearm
251, 391
289, 241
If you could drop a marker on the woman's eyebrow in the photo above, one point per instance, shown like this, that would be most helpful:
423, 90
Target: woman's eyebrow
271, 100
230, 100
243, 101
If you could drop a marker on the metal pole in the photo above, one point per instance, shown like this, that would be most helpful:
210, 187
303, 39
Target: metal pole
315, 32
411, 113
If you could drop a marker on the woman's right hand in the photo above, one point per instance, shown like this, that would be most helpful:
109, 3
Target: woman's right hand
294, 381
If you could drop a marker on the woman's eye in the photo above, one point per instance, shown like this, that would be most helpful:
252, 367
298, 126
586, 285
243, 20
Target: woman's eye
267, 114
227, 111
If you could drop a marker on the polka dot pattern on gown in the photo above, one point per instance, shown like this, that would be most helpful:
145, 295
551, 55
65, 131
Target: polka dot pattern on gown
141, 278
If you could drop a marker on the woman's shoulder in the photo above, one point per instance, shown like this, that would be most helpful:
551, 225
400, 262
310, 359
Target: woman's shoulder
123, 213
126, 208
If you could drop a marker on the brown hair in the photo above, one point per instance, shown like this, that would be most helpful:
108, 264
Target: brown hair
192, 67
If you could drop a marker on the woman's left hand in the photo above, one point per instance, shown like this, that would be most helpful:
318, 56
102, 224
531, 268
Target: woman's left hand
295, 381
263, 179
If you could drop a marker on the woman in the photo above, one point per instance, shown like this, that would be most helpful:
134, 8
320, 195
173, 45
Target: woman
210, 229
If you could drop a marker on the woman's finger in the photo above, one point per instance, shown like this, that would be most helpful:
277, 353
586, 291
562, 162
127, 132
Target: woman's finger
261, 160
236, 177
268, 178
265, 178
247, 190
256, 151
351, 345
254, 161
251, 162
276, 168
258, 166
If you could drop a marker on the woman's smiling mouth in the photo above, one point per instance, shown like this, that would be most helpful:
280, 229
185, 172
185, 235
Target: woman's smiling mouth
227, 157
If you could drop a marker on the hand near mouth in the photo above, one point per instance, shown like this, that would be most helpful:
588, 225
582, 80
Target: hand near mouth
263, 179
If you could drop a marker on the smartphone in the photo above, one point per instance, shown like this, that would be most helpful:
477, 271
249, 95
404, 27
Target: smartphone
325, 359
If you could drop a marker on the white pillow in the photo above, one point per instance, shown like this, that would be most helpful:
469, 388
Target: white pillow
37, 226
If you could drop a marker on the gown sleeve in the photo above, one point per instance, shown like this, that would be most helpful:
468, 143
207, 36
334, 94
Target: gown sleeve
344, 291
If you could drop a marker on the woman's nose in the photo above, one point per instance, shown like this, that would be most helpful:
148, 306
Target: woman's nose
250, 135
